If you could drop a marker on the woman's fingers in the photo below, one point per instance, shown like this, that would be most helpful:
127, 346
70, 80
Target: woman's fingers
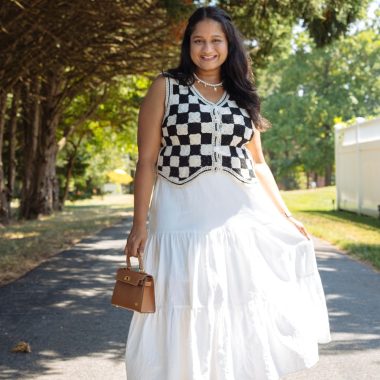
133, 249
304, 232
135, 246
130, 249
140, 251
300, 227
126, 248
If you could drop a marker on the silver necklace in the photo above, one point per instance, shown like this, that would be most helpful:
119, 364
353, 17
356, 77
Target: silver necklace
206, 84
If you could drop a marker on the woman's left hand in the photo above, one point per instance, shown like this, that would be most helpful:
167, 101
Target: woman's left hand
301, 228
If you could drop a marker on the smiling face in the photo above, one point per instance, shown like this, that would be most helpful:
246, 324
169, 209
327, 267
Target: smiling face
208, 46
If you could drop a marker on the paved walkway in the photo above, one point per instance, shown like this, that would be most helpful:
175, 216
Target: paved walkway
63, 310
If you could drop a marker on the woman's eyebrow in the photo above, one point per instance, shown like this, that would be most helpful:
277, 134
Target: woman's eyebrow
199, 36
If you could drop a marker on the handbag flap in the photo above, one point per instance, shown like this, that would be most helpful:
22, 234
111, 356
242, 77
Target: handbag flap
133, 277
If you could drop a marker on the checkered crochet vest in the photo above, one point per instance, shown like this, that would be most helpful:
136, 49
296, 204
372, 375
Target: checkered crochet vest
199, 136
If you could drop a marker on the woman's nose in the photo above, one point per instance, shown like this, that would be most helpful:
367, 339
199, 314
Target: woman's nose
207, 47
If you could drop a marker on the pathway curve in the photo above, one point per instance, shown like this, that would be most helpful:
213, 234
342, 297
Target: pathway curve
63, 310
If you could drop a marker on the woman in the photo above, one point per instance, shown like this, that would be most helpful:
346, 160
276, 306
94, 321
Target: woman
238, 293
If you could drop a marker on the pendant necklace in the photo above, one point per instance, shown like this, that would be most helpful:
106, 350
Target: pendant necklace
214, 86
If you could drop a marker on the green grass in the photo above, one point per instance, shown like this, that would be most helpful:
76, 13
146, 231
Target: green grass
25, 244
358, 235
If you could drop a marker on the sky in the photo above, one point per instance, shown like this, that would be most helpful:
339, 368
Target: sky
374, 5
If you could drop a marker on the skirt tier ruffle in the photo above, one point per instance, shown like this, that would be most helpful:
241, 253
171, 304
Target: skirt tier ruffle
238, 293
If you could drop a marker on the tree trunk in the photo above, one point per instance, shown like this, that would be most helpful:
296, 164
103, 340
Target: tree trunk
328, 175
12, 147
307, 174
43, 198
44, 192
4, 216
43, 185
57, 206
69, 168
31, 109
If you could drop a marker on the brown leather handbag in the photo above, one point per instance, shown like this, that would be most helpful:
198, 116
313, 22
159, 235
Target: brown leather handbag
134, 290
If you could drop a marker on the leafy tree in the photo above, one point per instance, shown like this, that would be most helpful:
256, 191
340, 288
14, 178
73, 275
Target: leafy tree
57, 51
106, 139
54, 54
268, 25
307, 92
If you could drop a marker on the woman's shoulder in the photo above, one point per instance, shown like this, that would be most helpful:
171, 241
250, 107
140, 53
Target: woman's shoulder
163, 80
158, 85
176, 77
164, 76
159, 80
157, 91
164, 84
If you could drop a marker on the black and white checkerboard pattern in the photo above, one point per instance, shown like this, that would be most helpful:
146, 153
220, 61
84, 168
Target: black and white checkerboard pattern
198, 136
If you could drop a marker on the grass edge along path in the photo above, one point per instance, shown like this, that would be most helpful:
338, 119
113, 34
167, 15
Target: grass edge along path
26, 244
357, 235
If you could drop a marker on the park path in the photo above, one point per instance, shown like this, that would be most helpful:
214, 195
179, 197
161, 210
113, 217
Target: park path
63, 310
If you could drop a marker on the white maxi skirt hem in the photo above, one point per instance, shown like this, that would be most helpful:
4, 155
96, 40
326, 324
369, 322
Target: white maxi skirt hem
238, 293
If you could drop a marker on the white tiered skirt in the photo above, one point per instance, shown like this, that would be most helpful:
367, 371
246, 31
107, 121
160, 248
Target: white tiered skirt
238, 293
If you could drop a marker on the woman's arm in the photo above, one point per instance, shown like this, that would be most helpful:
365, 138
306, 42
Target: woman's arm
265, 176
148, 142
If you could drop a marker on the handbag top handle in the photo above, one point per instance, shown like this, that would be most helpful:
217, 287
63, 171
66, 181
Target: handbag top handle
141, 264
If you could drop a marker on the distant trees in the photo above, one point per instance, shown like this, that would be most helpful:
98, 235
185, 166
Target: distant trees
104, 140
65, 66
267, 25
308, 92
51, 51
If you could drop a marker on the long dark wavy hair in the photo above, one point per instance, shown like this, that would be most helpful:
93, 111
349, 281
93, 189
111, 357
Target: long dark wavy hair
236, 71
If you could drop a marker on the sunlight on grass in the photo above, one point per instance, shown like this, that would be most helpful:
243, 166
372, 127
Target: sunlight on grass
321, 199
357, 234
18, 235
30, 242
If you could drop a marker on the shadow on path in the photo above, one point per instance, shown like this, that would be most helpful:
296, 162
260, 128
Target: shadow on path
63, 308
353, 300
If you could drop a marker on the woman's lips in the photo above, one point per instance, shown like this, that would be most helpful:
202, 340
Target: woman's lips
208, 58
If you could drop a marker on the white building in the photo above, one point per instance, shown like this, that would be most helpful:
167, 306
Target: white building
357, 158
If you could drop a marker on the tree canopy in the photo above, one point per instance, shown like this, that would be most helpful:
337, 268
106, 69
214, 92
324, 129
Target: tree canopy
312, 89
70, 74
267, 25
53, 51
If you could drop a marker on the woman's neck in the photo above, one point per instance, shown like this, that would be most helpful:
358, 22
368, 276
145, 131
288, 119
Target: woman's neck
209, 76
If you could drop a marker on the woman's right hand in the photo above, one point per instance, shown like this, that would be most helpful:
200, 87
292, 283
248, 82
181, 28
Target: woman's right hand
136, 241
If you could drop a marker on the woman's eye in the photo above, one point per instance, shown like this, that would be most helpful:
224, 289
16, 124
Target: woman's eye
217, 41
